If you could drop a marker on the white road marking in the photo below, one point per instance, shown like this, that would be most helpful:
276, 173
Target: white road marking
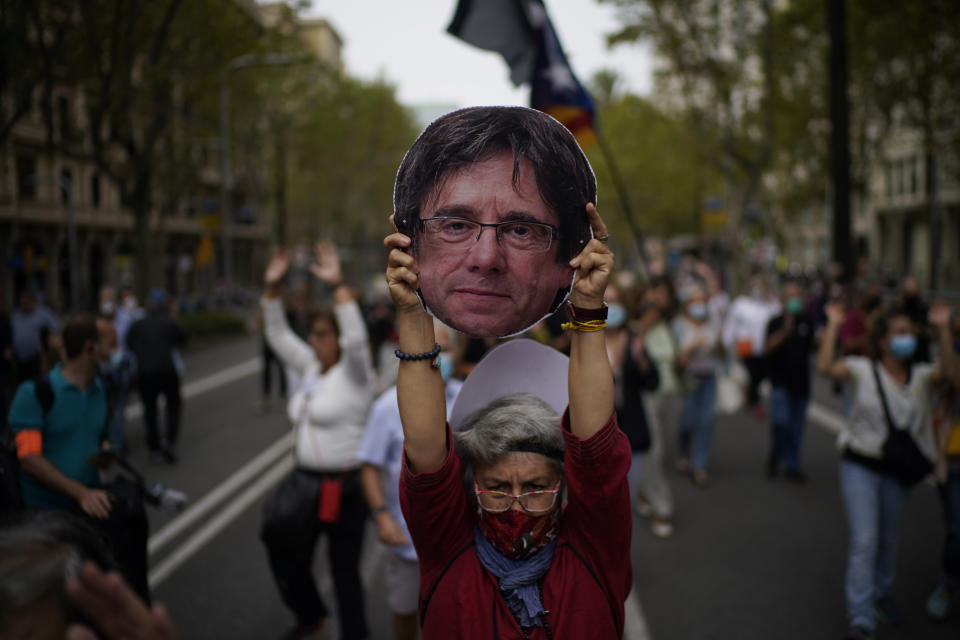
219, 493
826, 418
634, 623
220, 521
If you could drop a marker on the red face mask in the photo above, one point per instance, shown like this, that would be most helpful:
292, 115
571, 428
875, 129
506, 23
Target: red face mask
516, 534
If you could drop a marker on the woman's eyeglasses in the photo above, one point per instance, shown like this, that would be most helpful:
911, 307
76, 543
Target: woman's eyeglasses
531, 501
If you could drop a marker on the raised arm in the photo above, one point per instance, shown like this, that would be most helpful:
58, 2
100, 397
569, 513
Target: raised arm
290, 349
420, 395
827, 364
946, 366
590, 379
354, 343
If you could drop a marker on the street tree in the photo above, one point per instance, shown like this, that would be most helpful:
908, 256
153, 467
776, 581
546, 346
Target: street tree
138, 68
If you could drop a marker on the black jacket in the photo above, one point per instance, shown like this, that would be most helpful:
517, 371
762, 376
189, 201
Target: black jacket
152, 340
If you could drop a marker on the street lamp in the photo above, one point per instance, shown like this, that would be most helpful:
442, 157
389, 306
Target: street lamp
226, 176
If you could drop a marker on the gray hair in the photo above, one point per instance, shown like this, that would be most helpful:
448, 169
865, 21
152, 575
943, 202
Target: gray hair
517, 422
38, 551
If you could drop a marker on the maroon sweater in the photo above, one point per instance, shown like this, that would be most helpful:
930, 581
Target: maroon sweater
589, 579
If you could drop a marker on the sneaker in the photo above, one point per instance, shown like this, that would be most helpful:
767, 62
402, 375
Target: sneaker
858, 633
938, 604
661, 527
888, 612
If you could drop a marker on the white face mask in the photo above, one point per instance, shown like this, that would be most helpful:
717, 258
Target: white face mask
107, 307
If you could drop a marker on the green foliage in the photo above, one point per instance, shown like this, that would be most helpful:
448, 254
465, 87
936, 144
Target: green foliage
666, 176
214, 322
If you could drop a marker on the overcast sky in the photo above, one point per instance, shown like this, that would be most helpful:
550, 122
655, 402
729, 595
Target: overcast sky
406, 42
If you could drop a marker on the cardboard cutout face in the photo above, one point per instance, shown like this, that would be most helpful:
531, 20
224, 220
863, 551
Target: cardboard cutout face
494, 200
483, 280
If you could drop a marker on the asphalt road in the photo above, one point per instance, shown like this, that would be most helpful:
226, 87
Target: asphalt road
751, 558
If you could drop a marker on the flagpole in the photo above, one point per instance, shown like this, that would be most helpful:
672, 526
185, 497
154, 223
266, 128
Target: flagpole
621, 189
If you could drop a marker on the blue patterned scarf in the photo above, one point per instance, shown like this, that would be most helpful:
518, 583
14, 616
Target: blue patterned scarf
517, 578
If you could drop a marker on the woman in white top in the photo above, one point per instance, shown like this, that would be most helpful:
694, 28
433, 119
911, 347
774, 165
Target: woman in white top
328, 411
873, 494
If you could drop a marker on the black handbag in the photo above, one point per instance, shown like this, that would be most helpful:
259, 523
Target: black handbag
900, 451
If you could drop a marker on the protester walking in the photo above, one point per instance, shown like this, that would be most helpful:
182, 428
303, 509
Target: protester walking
154, 341
788, 348
887, 447
323, 495
698, 338
633, 374
662, 404
32, 323
940, 604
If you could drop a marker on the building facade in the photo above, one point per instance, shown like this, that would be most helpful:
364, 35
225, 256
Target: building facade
64, 231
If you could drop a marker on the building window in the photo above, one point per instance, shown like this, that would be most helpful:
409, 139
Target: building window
66, 186
888, 178
914, 179
26, 177
95, 191
63, 111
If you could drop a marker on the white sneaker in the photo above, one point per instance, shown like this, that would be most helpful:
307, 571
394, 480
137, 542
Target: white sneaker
661, 528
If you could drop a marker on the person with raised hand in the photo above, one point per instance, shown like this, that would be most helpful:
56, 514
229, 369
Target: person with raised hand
891, 400
323, 494
484, 505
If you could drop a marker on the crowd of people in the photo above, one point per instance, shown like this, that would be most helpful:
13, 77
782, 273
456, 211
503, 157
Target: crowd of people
507, 513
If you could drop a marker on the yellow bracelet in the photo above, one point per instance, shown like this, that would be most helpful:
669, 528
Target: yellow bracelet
585, 326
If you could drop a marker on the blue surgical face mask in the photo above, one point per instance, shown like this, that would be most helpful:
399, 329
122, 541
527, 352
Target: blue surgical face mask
903, 346
616, 315
115, 357
446, 366
697, 310
794, 306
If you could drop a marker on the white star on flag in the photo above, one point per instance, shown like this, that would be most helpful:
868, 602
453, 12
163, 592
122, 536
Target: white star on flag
560, 76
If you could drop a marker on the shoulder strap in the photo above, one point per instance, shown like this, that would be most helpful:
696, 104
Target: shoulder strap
43, 391
883, 397
433, 587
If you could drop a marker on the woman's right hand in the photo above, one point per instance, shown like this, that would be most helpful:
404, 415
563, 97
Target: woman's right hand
403, 274
836, 313
276, 270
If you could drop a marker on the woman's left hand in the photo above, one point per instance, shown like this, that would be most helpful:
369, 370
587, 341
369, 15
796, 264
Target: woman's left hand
593, 265
327, 267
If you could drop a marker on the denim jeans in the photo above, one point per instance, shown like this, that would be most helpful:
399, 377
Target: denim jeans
950, 497
873, 503
788, 416
696, 422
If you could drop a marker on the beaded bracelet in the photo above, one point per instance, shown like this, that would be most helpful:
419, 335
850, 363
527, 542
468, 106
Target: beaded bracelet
426, 355
585, 326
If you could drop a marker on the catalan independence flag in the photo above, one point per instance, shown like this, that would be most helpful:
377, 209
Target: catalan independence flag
521, 31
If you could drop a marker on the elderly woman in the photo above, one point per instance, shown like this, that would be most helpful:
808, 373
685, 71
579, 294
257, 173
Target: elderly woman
501, 555
888, 392
323, 495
